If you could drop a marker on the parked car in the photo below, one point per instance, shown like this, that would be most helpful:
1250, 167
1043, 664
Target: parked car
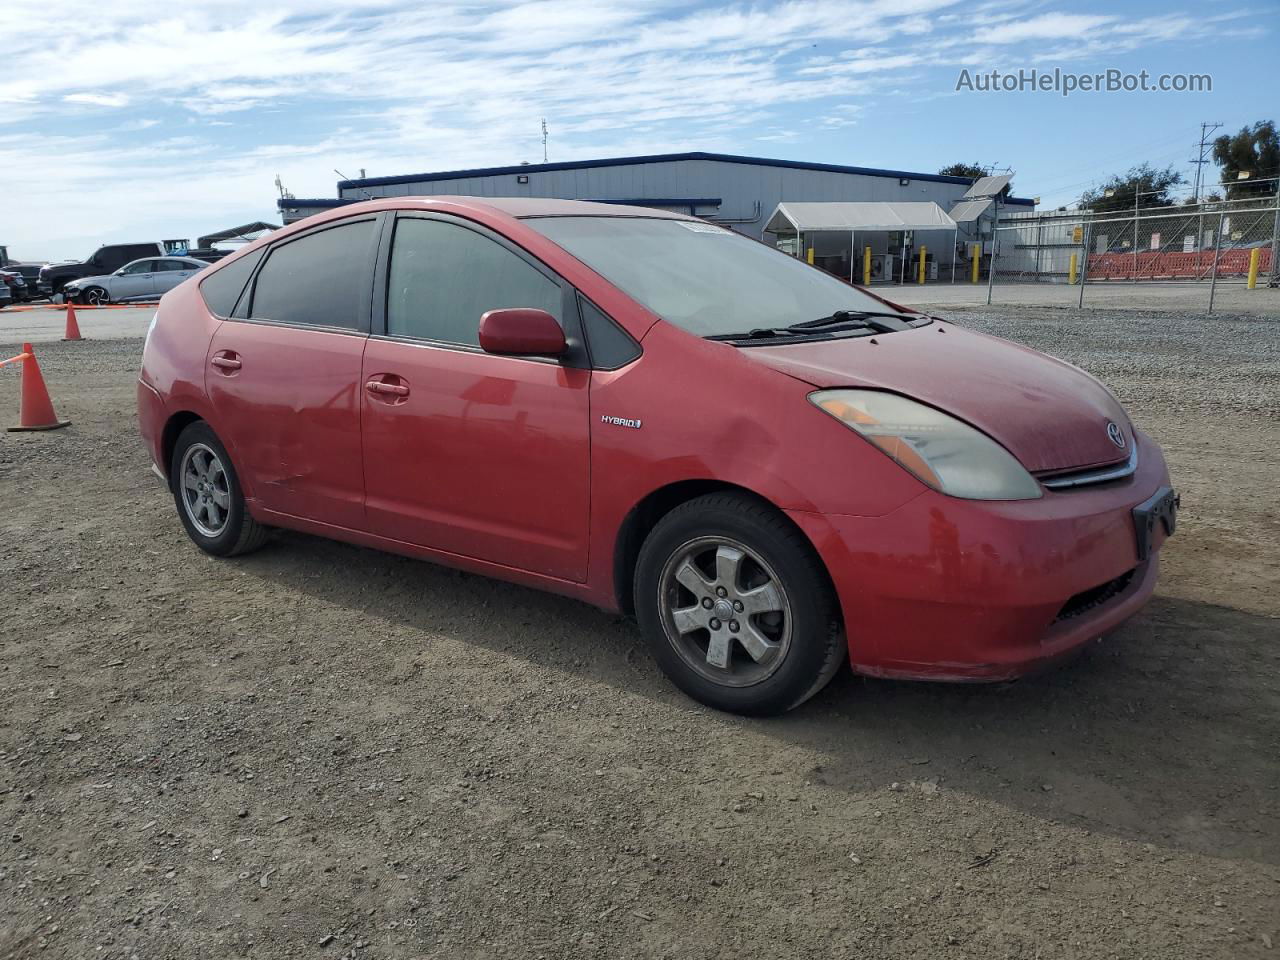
30, 274
16, 283
6, 295
105, 260
774, 470
141, 280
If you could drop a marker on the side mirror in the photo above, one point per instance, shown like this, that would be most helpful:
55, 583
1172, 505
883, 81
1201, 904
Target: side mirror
521, 330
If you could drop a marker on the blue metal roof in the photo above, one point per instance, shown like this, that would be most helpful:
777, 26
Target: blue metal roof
658, 158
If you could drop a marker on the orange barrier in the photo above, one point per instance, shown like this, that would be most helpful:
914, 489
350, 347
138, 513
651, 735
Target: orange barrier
1173, 264
36, 410
58, 306
73, 328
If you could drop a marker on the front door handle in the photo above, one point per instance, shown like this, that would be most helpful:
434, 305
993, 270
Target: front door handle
387, 389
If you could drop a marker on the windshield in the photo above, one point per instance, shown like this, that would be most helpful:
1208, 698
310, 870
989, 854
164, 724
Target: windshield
706, 279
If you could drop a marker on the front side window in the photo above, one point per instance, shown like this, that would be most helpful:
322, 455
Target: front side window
444, 277
701, 277
316, 280
141, 266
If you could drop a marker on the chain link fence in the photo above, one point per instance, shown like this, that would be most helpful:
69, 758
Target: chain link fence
1192, 253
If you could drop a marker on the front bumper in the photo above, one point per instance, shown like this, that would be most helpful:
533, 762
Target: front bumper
949, 589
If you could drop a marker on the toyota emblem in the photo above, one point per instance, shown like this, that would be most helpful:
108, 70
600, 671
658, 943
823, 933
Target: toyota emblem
1117, 437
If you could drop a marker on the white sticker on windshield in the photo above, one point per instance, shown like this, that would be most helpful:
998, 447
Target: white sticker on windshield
703, 227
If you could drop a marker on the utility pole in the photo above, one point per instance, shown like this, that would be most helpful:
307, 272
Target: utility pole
1206, 129
544, 139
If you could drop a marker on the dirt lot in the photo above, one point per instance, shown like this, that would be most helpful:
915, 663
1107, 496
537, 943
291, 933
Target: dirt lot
320, 751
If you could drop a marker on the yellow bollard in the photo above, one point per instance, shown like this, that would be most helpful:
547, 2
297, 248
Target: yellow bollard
977, 261
921, 279
1071, 270
866, 266
809, 256
1255, 260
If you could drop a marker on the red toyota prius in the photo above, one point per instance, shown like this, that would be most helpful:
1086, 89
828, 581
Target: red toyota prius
773, 470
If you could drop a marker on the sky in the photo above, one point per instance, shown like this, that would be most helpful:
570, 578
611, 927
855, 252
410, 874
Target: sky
135, 121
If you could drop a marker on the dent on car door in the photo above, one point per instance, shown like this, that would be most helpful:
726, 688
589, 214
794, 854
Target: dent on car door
284, 381
465, 452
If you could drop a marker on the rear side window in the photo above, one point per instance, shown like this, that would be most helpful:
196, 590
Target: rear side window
222, 288
444, 276
316, 280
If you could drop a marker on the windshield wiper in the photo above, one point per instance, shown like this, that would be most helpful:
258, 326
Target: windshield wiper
756, 333
861, 318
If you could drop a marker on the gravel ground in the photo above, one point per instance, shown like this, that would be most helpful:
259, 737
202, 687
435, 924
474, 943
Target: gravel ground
322, 751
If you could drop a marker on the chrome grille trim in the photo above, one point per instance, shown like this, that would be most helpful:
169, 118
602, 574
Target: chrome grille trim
1084, 478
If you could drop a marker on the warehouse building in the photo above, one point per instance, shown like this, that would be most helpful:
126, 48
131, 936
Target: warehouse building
742, 193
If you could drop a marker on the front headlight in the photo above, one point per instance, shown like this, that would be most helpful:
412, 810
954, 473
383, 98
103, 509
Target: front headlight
940, 450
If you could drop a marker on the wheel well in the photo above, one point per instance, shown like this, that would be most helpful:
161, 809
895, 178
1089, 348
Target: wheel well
644, 516
174, 426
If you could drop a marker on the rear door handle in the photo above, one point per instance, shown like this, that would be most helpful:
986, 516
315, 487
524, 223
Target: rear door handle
226, 363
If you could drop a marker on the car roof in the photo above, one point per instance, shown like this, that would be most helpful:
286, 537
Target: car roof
550, 207
518, 207
512, 208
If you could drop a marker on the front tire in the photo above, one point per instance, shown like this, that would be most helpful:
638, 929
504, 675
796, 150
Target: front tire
94, 297
207, 494
737, 607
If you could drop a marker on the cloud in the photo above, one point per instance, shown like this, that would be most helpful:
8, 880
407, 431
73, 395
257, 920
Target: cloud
399, 86
97, 99
1048, 26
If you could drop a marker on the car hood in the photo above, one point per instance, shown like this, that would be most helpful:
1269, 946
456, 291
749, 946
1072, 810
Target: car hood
1050, 415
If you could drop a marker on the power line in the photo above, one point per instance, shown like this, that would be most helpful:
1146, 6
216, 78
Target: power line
1205, 130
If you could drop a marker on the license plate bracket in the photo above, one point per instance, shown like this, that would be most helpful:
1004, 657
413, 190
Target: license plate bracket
1160, 510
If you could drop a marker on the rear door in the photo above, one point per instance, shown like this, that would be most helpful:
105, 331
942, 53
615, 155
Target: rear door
477, 455
284, 378
170, 273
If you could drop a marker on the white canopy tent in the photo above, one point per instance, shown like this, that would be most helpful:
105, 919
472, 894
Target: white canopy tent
850, 217
847, 217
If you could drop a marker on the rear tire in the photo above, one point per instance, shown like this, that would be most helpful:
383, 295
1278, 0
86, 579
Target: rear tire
736, 606
206, 491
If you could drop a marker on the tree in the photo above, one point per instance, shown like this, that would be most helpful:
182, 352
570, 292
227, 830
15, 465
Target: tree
1254, 151
973, 170
1152, 187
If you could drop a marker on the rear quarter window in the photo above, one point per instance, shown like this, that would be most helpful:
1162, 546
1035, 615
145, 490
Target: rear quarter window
221, 289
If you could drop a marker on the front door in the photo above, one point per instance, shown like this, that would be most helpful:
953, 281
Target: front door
134, 281
286, 383
477, 455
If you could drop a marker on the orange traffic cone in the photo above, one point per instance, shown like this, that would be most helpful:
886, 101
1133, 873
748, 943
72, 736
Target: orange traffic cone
73, 328
36, 412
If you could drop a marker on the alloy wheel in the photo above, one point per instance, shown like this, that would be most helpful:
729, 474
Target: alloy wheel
206, 489
725, 611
